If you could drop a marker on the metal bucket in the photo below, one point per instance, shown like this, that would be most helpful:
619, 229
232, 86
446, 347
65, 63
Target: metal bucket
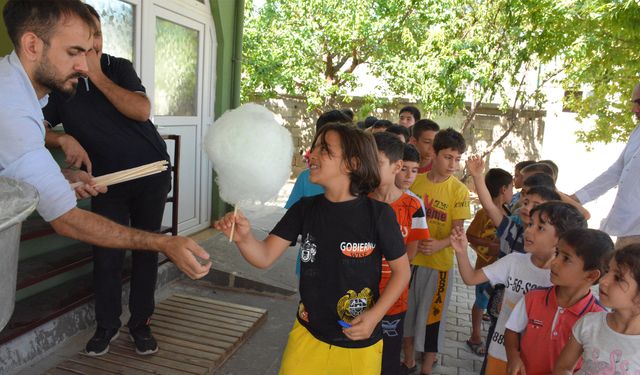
17, 201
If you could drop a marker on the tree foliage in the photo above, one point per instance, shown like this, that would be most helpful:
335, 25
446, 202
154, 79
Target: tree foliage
443, 53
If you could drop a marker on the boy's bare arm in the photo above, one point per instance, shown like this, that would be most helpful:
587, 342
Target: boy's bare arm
575, 203
431, 246
260, 254
475, 166
515, 365
568, 357
363, 325
459, 244
412, 249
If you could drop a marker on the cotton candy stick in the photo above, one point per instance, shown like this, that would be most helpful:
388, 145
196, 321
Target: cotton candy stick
233, 225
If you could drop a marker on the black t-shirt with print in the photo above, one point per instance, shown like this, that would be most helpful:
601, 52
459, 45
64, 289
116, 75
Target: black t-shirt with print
341, 254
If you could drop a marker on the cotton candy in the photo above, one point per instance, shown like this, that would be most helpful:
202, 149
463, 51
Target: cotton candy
251, 153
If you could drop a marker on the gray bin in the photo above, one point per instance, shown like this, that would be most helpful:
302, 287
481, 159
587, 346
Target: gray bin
17, 201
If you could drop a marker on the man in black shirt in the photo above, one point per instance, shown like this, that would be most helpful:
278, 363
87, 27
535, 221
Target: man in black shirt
108, 129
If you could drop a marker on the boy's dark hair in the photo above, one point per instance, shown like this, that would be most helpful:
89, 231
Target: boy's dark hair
523, 164
540, 179
93, 11
496, 179
544, 192
399, 130
333, 116
552, 165
628, 259
562, 216
538, 168
449, 138
348, 112
390, 145
411, 153
422, 126
382, 124
593, 246
359, 153
41, 17
415, 112
369, 121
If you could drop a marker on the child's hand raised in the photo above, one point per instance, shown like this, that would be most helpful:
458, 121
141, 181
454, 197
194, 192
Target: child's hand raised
242, 227
475, 165
459, 240
361, 327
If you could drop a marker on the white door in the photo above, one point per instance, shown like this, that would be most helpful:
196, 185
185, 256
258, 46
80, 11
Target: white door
177, 70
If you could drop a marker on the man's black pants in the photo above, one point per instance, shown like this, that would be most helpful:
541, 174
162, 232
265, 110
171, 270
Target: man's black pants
139, 204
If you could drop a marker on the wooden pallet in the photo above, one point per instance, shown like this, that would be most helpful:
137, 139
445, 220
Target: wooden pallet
195, 335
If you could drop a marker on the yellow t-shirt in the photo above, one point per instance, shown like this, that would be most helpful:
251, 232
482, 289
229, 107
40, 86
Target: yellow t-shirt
444, 202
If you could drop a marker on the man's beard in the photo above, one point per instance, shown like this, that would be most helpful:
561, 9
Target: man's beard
45, 76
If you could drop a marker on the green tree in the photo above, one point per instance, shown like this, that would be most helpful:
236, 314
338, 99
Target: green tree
605, 58
442, 53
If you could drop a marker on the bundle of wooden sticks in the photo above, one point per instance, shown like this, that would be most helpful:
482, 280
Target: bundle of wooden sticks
128, 174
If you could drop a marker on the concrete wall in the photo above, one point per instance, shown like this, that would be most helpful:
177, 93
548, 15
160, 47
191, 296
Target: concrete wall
524, 143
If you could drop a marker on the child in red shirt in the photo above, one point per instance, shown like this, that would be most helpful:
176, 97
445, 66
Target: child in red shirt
540, 324
413, 226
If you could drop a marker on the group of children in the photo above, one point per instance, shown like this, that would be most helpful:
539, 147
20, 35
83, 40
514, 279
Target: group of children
378, 240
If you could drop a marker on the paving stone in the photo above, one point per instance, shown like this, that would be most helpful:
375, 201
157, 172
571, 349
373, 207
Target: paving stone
448, 361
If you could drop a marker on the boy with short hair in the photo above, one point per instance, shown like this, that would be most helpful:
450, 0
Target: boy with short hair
447, 206
380, 126
399, 131
518, 180
519, 272
408, 116
532, 169
413, 226
541, 323
482, 237
422, 135
510, 229
409, 171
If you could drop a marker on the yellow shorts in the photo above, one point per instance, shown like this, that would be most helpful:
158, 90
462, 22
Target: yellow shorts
306, 355
495, 366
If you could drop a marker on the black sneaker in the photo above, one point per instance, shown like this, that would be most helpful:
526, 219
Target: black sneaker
99, 343
143, 339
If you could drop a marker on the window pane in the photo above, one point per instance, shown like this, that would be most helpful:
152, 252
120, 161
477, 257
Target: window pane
176, 70
118, 27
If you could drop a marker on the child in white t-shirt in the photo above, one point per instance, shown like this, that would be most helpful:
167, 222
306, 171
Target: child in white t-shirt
519, 273
609, 342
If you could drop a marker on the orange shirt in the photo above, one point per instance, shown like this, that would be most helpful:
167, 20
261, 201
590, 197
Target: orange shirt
413, 226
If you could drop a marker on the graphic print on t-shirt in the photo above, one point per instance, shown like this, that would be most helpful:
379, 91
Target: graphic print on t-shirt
308, 249
357, 249
353, 304
436, 209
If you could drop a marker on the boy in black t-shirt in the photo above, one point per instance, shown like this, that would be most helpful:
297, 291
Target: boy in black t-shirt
345, 234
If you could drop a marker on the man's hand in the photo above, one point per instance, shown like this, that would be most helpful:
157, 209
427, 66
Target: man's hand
187, 255
84, 185
75, 154
431, 246
93, 64
475, 165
